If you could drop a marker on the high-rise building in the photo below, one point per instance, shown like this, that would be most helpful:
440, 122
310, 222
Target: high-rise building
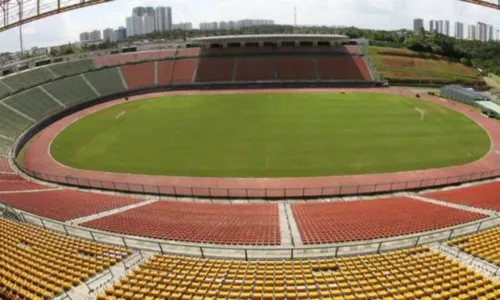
418, 25
135, 26
149, 24
183, 26
163, 18
472, 31
84, 37
223, 25
95, 35
446, 28
459, 30
149, 11
209, 26
489, 36
482, 31
139, 11
432, 26
440, 26
107, 34
120, 34
498, 35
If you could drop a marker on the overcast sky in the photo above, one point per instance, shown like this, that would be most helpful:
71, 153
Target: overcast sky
377, 14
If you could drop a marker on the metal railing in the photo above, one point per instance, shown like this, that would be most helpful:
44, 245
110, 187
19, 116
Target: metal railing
247, 252
262, 193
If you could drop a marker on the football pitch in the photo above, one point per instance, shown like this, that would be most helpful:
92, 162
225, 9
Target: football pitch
271, 135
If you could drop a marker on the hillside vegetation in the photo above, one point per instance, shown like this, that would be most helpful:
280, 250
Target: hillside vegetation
403, 65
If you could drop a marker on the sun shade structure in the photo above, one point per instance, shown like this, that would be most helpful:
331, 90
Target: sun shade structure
461, 94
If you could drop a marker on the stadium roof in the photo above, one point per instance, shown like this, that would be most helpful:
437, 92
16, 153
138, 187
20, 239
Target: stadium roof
268, 38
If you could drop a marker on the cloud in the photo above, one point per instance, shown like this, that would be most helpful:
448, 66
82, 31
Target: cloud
377, 14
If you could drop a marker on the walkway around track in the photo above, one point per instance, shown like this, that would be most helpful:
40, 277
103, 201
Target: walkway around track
38, 160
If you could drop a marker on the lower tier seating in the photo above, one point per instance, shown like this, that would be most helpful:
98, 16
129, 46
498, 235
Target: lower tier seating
4, 91
256, 68
215, 69
482, 196
33, 103
38, 264
343, 68
4, 165
5, 146
414, 273
107, 81
28, 78
139, 75
12, 124
64, 205
485, 245
165, 72
371, 219
296, 68
70, 90
243, 224
184, 71
72, 67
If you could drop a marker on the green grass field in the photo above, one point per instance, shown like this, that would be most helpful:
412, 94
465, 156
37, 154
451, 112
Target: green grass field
270, 135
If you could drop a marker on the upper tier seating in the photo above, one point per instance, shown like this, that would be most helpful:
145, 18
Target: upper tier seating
28, 78
38, 264
71, 90
33, 103
256, 68
139, 75
485, 245
371, 219
120, 59
255, 224
12, 124
4, 91
4, 165
296, 68
184, 71
107, 81
72, 67
482, 196
215, 69
343, 68
165, 69
5, 146
64, 205
408, 274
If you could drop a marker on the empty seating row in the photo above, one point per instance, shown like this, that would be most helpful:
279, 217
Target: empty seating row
12, 124
139, 75
184, 70
408, 274
64, 205
120, 59
4, 90
106, 81
215, 69
39, 264
372, 219
485, 245
71, 90
483, 196
5, 146
34, 103
72, 67
28, 78
343, 68
242, 224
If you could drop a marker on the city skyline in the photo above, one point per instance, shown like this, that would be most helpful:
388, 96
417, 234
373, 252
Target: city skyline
378, 14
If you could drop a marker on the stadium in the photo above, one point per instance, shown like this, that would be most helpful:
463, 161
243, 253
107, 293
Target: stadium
266, 166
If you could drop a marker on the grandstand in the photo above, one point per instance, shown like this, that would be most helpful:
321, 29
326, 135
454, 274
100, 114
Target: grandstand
310, 238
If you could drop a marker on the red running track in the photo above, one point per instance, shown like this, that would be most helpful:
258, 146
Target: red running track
37, 158
321, 223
